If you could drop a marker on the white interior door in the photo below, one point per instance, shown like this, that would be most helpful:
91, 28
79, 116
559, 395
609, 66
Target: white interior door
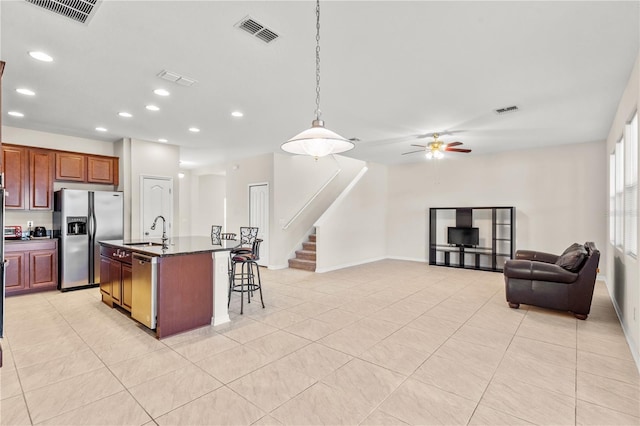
259, 216
157, 200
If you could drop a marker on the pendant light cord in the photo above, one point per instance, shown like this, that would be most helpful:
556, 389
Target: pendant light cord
318, 113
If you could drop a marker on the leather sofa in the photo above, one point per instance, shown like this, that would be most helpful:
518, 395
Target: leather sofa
564, 282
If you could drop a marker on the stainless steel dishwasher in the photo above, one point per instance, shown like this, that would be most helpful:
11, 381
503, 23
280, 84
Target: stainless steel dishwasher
144, 292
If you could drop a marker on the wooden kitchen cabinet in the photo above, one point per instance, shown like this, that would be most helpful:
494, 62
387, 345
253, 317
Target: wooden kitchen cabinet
14, 160
30, 173
40, 179
102, 169
115, 277
33, 266
71, 166
77, 167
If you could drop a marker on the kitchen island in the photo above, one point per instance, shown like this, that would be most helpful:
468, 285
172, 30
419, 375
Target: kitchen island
171, 288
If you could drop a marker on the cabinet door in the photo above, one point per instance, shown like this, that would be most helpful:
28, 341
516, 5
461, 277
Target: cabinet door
102, 170
40, 179
115, 276
105, 280
16, 272
15, 176
126, 286
71, 166
43, 269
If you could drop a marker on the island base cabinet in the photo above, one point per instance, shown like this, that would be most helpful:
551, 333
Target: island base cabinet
115, 278
185, 293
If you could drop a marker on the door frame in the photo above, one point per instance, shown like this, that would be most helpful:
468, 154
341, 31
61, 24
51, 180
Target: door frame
262, 261
141, 216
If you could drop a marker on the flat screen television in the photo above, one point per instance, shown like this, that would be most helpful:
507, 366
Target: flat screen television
464, 237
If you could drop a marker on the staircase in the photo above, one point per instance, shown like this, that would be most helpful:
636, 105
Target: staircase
305, 258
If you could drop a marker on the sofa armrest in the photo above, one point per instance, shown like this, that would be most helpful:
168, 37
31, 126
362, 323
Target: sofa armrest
538, 256
538, 271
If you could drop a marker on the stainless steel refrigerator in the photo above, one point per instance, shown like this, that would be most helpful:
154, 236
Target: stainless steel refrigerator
81, 219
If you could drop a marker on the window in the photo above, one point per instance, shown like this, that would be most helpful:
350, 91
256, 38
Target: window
612, 198
631, 187
619, 192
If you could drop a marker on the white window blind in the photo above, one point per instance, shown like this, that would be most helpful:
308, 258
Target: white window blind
631, 187
619, 192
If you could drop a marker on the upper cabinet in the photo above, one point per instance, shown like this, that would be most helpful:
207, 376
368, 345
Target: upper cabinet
71, 167
87, 168
102, 169
30, 173
40, 179
14, 159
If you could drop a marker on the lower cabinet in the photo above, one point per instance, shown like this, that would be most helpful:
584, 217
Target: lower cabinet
115, 277
31, 266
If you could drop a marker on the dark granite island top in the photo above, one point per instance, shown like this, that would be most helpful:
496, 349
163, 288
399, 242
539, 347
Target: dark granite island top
183, 287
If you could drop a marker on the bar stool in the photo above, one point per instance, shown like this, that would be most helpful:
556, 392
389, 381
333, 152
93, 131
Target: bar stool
245, 281
216, 234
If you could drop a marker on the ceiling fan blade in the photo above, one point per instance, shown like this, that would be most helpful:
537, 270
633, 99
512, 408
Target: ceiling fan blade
454, 144
421, 146
457, 150
412, 152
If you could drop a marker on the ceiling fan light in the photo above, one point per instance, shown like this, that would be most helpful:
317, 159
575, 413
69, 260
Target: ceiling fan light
429, 155
317, 141
438, 155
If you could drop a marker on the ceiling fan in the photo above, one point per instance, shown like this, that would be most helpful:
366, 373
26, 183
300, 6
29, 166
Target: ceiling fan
436, 148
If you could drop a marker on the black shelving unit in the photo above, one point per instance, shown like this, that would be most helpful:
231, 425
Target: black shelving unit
502, 247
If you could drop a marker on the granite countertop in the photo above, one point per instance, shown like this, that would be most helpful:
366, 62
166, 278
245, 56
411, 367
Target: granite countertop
175, 246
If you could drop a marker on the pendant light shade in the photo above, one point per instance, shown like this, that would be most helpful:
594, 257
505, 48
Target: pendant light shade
317, 141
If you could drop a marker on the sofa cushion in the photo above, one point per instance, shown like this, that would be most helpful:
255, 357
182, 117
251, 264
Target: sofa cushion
571, 248
573, 260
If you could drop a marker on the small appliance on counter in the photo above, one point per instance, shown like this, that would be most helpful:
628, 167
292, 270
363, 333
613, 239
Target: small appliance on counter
12, 232
39, 232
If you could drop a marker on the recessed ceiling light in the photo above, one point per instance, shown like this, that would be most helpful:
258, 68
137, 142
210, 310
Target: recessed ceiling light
41, 56
163, 140
101, 129
161, 92
16, 114
180, 175
24, 91
194, 129
237, 114
125, 114
152, 108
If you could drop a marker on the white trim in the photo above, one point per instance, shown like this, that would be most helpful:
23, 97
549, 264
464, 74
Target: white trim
266, 232
410, 259
341, 197
276, 267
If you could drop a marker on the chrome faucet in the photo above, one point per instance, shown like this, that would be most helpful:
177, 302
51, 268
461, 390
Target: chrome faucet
164, 229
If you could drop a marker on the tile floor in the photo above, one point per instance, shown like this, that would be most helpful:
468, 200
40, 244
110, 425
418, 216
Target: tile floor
388, 343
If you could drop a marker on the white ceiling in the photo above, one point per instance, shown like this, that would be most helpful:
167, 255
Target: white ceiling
390, 70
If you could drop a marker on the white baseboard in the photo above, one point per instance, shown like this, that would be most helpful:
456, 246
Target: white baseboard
410, 259
276, 267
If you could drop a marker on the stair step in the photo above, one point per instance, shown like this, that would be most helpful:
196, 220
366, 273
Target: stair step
309, 246
307, 265
312, 238
306, 255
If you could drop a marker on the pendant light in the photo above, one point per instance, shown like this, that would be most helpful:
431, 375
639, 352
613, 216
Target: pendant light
317, 141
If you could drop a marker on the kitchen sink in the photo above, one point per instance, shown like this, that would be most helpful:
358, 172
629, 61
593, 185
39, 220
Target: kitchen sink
143, 243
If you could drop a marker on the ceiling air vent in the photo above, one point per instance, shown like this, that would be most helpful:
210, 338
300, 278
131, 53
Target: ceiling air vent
78, 10
505, 110
176, 78
257, 30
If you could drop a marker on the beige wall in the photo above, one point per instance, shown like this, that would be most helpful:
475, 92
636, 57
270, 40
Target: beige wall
19, 136
352, 231
558, 195
144, 158
623, 271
